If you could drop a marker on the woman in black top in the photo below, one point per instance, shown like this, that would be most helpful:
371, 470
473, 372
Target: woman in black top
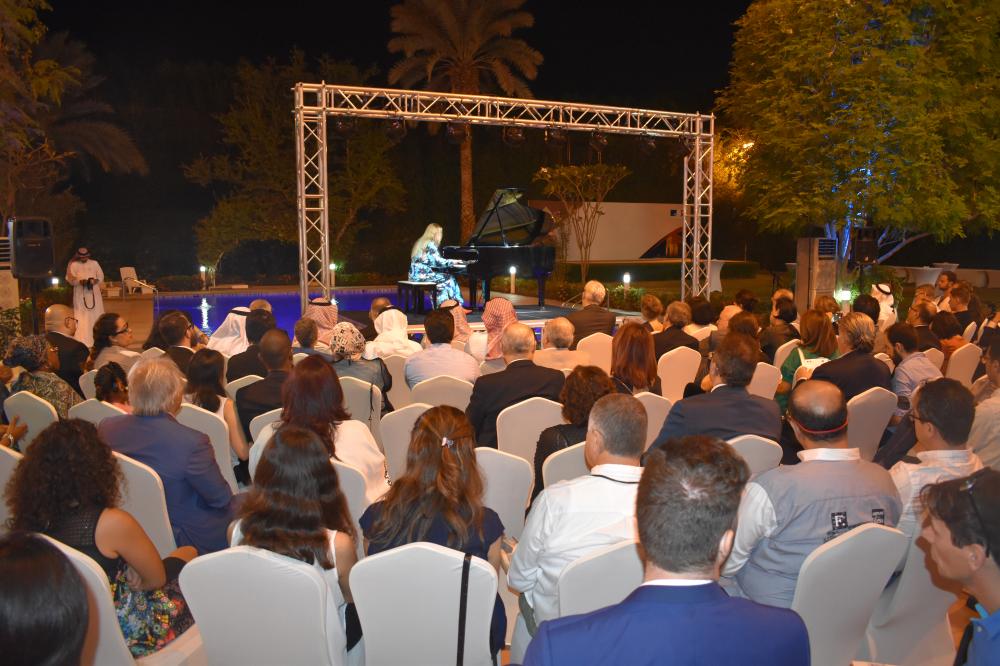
633, 361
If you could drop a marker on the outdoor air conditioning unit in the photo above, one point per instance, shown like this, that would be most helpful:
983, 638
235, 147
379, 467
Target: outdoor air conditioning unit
815, 270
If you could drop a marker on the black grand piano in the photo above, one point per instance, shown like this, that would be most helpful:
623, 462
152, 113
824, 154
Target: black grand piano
509, 233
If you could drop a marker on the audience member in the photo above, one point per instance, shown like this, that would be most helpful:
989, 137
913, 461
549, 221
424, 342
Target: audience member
828, 305
439, 499
260, 304
67, 486
778, 295
249, 362
925, 292
680, 614
112, 337
42, 596
959, 299
557, 336
984, 439
378, 305
204, 389
577, 517
262, 396
307, 338
230, 338
868, 305
60, 325
325, 313
391, 337
498, 313
155, 339
673, 335
40, 361
520, 380
744, 301
702, 316
780, 330
462, 329
856, 370
633, 363
913, 369
652, 311
181, 337
440, 358
947, 329
348, 346
199, 501
945, 281
920, 316
789, 511
111, 386
819, 345
593, 317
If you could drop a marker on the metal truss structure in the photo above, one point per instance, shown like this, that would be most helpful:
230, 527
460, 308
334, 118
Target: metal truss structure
315, 102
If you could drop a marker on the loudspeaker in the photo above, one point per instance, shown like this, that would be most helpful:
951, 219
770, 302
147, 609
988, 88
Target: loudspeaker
31, 248
866, 246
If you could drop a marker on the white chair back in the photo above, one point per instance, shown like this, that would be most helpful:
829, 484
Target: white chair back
839, 585
397, 427
765, 380
234, 591
508, 487
143, 497
519, 426
34, 412
657, 410
215, 428
970, 331
399, 394
298, 357
782, 352
882, 356
760, 453
676, 369
363, 401
9, 458
352, 484
962, 364
868, 415
599, 579
93, 410
935, 356
384, 587
258, 422
564, 465
235, 385
443, 390
598, 347
87, 384
152, 352
702, 333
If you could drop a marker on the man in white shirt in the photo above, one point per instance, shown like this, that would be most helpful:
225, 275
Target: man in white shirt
557, 336
942, 414
440, 358
573, 518
984, 439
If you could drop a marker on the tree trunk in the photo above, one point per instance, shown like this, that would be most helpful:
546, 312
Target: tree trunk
468, 209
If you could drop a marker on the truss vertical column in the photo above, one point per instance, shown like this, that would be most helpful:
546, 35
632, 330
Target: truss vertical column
696, 248
314, 222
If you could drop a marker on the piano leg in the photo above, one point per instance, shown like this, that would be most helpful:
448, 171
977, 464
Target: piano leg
541, 292
486, 292
473, 288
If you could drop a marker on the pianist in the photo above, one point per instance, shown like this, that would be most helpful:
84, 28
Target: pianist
427, 265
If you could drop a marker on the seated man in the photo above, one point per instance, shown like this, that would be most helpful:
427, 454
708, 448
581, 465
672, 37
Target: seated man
912, 368
520, 380
959, 301
942, 414
557, 336
856, 370
984, 439
60, 327
245, 363
946, 280
440, 358
265, 395
673, 336
920, 316
571, 519
727, 410
789, 511
680, 615
181, 337
594, 317
260, 304
379, 304
306, 335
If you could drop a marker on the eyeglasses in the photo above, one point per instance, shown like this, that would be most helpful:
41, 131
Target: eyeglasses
916, 417
967, 487
127, 329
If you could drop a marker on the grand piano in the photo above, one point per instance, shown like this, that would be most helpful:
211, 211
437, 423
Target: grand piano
509, 233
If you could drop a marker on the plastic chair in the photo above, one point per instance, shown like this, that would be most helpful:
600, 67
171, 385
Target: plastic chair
760, 453
868, 415
352, 484
970, 331
657, 410
244, 598
599, 579
152, 352
702, 333
396, 429
298, 357
217, 430
443, 390
363, 401
676, 369
598, 347
34, 412
9, 458
765, 380
385, 587
882, 356
257, 448
564, 465
935, 356
93, 410
839, 585
782, 352
508, 487
519, 425
399, 394
963, 364
131, 282
87, 384
235, 385
258, 422
144, 498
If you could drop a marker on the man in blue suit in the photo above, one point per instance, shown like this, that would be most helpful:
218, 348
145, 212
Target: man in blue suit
685, 508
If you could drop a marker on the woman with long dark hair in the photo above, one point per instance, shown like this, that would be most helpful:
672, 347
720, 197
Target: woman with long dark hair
204, 388
111, 386
112, 336
633, 360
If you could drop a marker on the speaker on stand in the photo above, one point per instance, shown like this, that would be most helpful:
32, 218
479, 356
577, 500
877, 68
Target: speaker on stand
32, 256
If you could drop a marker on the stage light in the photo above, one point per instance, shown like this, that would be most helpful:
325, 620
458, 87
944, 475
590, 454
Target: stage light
55, 282
457, 132
333, 266
555, 136
345, 126
395, 130
647, 145
598, 142
513, 136
202, 269
842, 295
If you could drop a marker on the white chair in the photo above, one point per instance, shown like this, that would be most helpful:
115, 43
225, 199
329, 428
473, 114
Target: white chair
152, 352
34, 412
765, 380
396, 429
676, 369
839, 585
131, 282
399, 394
298, 357
105, 644
963, 363
760, 453
363, 401
882, 356
519, 426
243, 599
93, 410
235, 385
9, 458
508, 487
782, 352
217, 431
599, 579
352, 484
935, 356
385, 587
443, 390
143, 497
598, 347
702, 333
657, 410
87, 384
564, 465
258, 422
868, 415
970, 331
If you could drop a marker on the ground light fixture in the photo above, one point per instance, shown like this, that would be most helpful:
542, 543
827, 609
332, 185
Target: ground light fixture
513, 276
627, 280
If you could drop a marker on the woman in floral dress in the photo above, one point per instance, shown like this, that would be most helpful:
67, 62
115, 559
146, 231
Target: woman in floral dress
426, 264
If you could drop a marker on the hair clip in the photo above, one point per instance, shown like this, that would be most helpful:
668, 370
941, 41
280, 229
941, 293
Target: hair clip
447, 442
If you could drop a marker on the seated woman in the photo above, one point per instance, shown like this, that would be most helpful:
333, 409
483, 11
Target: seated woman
39, 358
498, 313
819, 344
583, 387
347, 345
652, 313
440, 499
68, 487
296, 509
633, 361
204, 389
426, 264
781, 330
946, 327
111, 384
703, 316
742, 322
112, 336
313, 399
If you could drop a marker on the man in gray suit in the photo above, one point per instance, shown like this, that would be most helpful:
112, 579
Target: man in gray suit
594, 317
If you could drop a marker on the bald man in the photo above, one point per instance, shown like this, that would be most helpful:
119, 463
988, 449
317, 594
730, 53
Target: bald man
791, 510
557, 336
594, 317
379, 305
520, 380
60, 327
263, 396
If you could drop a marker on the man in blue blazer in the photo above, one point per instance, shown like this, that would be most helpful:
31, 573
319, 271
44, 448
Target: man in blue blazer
685, 508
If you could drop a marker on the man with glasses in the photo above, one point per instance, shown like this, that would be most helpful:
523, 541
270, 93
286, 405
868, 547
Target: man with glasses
182, 336
963, 532
920, 315
984, 439
60, 327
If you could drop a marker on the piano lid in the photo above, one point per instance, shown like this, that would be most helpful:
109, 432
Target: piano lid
507, 220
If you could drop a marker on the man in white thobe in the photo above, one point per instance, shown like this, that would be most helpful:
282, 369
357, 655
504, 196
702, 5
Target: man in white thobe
86, 276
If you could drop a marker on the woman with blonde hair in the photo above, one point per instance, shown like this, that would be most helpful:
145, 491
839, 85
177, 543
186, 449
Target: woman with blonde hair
426, 264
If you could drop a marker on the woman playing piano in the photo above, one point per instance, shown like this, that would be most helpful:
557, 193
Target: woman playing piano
427, 265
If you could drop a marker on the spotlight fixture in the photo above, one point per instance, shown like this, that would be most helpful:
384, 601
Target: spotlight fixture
647, 145
457, 132
395, 130
598, 142
345, 127
555, 136
513, 136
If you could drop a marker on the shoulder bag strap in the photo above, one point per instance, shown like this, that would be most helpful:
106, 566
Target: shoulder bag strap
463, 602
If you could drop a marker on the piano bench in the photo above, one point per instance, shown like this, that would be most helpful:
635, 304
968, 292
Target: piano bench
411, 295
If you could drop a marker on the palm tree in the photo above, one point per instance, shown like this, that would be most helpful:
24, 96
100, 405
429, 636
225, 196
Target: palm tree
463, 46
